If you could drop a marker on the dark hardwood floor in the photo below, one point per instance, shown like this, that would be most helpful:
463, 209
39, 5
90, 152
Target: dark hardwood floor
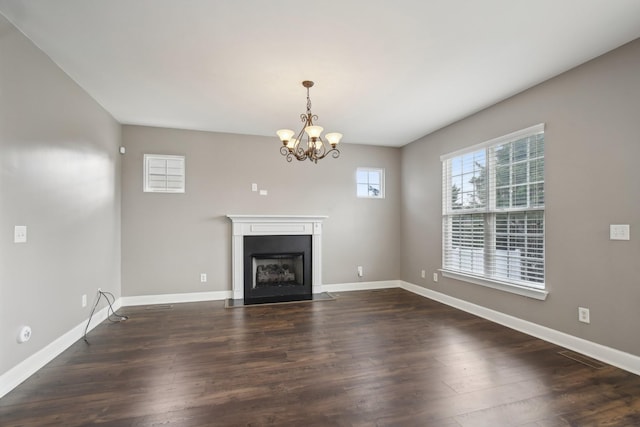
370, 358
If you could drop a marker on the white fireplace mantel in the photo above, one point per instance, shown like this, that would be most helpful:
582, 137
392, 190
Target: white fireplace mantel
274, 225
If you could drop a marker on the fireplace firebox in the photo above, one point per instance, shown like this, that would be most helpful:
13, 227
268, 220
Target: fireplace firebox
277, 268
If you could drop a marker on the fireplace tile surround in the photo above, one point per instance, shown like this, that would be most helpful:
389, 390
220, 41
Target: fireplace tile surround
274, 225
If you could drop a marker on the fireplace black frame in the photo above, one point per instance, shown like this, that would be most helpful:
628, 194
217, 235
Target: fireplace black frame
274, 246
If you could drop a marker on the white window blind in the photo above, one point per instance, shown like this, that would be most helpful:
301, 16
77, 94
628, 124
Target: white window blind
164, 173
493, 209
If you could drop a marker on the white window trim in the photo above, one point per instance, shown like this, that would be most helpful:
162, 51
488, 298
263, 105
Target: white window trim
381, 172
527, 291
539, 294
147, 189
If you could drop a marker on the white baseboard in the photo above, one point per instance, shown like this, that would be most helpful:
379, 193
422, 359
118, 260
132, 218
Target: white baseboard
361, 286
16, 375
23, 370
176, 298
608, 355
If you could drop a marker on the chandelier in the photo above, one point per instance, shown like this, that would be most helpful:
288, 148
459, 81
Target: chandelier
310, 146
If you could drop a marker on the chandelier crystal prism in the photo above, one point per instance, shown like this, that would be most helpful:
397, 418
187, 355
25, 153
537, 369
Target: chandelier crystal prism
309, 143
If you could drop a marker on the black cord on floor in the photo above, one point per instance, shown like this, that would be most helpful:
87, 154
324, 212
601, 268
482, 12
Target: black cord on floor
110, 312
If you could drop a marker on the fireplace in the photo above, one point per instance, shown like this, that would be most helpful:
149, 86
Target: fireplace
277, 268
283, 253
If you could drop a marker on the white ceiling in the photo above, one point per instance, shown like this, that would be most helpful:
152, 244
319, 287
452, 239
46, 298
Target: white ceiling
387, 71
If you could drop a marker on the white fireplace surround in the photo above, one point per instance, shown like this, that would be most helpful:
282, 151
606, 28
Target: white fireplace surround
275, 225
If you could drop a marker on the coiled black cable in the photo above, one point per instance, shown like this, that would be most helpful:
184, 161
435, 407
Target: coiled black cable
110, 312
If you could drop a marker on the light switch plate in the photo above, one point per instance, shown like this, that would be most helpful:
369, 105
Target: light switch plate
619, 232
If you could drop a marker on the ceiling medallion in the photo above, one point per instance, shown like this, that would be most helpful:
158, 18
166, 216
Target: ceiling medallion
310, 146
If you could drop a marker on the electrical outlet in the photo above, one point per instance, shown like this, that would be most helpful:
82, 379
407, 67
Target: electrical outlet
435, 277
254, 187
583, 315
24, 334
20, 234
360, 271
203, 277
423, 274
84, 300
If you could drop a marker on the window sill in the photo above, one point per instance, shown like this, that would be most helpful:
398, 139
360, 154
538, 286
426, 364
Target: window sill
539, 294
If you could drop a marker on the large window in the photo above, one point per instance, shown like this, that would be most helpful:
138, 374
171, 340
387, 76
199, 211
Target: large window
493, 211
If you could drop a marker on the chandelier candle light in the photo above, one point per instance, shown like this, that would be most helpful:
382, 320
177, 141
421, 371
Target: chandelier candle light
313, 147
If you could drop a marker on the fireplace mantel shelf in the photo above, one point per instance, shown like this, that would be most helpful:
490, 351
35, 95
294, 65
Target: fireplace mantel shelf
276, 218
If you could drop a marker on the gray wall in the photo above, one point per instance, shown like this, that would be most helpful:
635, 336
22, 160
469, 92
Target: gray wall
62, 177
59, 176
592, 116
169, 239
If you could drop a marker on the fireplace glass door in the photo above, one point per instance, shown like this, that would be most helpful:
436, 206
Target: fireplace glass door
277, 270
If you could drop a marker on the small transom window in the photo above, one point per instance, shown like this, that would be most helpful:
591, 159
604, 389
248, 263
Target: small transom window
370, 183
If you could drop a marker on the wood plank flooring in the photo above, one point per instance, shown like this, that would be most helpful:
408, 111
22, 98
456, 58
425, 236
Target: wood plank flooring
369, 358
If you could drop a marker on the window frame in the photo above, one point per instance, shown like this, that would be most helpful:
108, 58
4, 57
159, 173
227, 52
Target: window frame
148, 188
368, 170
486, 275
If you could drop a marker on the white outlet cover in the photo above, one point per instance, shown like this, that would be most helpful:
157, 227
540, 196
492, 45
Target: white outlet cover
583, 315
24, 335
20, 234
